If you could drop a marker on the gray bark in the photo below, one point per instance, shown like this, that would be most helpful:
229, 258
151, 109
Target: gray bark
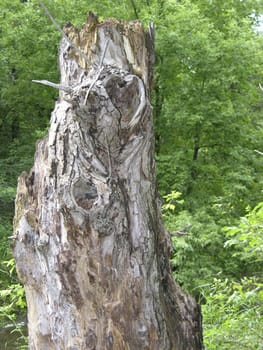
89, 242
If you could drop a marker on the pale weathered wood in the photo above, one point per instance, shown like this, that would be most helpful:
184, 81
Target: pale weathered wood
89, 242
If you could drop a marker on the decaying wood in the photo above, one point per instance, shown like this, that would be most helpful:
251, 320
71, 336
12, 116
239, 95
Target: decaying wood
89, 242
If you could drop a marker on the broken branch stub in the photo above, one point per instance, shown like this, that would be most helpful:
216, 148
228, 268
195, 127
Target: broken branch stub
89, 242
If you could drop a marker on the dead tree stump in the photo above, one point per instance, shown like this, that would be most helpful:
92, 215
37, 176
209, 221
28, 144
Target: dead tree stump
89, 241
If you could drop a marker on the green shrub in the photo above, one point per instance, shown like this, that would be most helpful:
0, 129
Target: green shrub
232, 315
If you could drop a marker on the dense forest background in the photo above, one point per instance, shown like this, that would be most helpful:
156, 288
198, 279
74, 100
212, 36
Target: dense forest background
207, 105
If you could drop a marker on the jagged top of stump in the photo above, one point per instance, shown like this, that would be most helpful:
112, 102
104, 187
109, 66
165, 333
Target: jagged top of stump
129, 44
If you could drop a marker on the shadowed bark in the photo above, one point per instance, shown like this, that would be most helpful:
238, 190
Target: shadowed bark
89, 242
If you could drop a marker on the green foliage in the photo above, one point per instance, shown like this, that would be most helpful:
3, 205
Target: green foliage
247, 237
232, 314
171, 201
209, 125
12, 307
13, 299
5, 233
25, 106
12, 296
232, 307
196, 260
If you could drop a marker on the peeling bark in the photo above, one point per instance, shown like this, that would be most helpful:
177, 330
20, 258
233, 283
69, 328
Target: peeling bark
89, 242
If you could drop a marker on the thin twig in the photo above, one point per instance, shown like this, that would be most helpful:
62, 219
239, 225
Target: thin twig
62, 32
104, 52
109, 157
261, 153
100, 70
54, 85
181, 232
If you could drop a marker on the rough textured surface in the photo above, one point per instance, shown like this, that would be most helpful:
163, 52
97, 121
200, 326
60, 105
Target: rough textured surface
89, 242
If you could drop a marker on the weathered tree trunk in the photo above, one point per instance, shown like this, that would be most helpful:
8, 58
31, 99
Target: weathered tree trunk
89, 243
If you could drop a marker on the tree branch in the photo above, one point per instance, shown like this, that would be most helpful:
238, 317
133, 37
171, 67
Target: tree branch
62, 32
181, 232
54, 85
261, 153
134, 9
